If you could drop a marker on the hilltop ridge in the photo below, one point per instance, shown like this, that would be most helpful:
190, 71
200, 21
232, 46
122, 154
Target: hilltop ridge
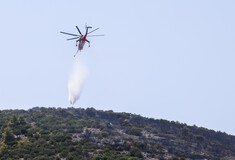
77, 133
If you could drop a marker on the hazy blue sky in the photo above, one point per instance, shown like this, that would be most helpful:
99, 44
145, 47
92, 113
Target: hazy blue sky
173, 60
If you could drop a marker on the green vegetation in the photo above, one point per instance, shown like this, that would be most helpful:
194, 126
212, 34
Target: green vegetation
82, 134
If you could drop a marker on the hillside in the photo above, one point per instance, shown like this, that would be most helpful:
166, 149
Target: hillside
89, 134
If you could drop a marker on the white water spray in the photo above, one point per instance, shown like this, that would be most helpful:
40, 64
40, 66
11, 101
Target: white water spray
76, 80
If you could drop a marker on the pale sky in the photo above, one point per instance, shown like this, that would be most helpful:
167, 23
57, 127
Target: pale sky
162, 59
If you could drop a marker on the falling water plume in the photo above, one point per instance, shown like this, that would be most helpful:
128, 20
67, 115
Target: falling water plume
76, 80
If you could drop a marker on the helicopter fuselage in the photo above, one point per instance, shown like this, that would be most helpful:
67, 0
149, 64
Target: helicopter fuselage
82, 42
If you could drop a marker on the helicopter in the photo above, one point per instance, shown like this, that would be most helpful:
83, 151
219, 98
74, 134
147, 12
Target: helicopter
81, 39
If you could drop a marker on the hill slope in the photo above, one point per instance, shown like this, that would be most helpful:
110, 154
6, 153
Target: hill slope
72, 134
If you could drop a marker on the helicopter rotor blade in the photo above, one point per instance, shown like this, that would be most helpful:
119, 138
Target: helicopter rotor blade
93, 30
95, 35
69, 34
78, 30
74, 38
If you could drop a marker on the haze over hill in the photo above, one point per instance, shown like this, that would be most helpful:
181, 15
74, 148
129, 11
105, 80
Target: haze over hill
89, 134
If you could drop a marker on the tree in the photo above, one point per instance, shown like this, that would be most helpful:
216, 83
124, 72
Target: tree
8, 137
21, 120
135, 152
3, 148
13, 121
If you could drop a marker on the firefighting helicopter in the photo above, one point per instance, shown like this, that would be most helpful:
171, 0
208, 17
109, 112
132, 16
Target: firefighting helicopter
81, 39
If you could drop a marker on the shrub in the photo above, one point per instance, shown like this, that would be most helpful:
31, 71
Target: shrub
134, 131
